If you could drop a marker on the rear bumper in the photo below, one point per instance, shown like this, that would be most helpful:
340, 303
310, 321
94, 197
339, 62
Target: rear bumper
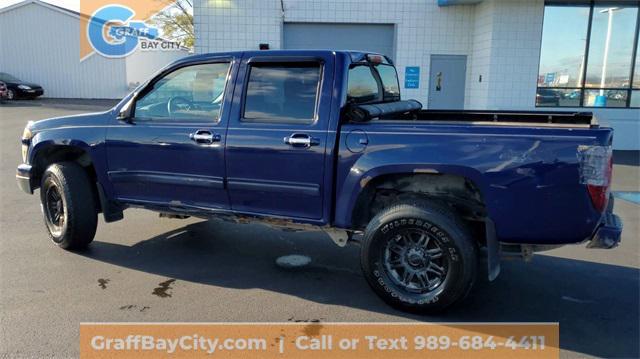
608, 234
23, 177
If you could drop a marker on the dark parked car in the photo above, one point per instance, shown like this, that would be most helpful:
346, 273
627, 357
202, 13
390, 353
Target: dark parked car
3, 91
546, 97
573, 95
17, 88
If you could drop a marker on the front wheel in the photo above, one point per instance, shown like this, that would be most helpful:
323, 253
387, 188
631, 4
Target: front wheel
419, 257
68, 205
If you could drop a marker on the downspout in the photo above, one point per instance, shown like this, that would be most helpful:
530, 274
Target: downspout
282, 23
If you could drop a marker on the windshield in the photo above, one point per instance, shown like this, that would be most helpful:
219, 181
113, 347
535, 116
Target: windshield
7, 78
370, 83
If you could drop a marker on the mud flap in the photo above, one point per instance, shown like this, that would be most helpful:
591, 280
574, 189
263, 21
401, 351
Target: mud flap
109, 209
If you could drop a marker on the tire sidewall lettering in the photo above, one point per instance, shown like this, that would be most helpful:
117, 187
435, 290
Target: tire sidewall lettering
383, 234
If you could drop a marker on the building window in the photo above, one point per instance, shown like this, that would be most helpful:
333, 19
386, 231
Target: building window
590, 55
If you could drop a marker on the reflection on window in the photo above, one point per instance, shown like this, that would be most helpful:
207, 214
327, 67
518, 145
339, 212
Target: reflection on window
362, 86
588, 61
547, 97
390, 84
612, 98
611, 46
563, 43
635, 99
282, 93
636, 77
189, 93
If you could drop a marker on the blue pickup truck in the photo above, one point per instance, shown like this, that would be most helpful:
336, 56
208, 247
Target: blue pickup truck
321, 140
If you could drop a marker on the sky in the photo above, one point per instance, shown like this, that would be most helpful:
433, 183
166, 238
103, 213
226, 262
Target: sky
69, 4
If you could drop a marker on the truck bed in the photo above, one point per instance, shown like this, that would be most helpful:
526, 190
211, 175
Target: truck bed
525, 117
412, 110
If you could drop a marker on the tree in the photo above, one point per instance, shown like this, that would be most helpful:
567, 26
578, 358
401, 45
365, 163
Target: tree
176, 21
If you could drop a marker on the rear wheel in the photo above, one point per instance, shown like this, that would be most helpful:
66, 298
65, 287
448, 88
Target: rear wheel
419, 257
68, 205
10, 95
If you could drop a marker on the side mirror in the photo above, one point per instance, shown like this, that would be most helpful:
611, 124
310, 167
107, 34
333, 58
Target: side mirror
126, 111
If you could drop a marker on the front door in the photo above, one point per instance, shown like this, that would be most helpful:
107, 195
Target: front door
277, 137
171, 151
447, 81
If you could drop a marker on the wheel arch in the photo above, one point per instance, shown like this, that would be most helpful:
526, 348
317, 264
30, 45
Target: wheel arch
417, 178
46, 153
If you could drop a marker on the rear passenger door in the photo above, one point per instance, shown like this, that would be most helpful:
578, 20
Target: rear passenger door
277, 135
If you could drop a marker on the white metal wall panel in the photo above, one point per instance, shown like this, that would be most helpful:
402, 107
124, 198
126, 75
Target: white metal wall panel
142, 65
41, 45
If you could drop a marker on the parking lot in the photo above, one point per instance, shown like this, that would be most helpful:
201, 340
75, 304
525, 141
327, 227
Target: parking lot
147, 269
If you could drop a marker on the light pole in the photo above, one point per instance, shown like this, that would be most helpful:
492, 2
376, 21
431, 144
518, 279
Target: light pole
602, 100
580, 74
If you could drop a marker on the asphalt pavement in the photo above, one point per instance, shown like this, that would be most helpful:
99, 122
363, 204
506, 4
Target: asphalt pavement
147, 269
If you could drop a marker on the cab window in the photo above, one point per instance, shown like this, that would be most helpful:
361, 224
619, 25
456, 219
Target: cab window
370, 83
390, 83
362, 86
192, 93
282, 92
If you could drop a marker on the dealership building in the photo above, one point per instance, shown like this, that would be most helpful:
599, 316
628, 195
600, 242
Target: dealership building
463, 54
39, 43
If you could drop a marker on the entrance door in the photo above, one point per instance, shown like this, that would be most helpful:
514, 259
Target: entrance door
447, 82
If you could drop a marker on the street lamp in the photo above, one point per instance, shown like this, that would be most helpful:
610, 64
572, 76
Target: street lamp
601, 100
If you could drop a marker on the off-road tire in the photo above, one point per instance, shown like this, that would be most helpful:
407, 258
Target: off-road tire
80, 217
445, 229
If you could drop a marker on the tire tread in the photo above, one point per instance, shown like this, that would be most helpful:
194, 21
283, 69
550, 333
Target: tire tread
455, 227
82, 217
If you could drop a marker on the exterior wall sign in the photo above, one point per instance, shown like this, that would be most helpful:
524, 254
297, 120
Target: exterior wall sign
412, 77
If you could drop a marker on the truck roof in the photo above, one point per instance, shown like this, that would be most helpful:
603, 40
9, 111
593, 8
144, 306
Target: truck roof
355, 55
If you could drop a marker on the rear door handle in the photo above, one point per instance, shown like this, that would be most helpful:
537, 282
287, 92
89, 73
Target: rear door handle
301, 140
204, 136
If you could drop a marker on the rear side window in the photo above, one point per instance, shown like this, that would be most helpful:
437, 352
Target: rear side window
282, 92
390, 84
372, 83
362, 86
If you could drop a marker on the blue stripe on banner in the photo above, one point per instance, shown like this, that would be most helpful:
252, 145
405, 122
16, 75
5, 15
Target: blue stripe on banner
628, 196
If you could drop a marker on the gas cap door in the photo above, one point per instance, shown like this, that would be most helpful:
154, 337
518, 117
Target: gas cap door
357, 141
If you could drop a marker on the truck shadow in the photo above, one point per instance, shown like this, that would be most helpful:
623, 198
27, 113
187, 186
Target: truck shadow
596, 304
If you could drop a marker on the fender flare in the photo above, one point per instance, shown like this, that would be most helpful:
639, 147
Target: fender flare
357, 181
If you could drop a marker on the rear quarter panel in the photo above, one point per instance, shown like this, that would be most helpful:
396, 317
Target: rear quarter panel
528, 176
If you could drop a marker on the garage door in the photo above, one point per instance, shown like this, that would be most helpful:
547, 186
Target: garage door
364, 37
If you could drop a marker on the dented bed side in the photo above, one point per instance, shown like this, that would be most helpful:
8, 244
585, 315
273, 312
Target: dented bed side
528, 176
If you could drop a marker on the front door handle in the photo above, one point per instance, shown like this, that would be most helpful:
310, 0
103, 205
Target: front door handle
204, 136
301, 140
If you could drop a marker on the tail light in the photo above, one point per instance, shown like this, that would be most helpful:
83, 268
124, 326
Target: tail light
596, 165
